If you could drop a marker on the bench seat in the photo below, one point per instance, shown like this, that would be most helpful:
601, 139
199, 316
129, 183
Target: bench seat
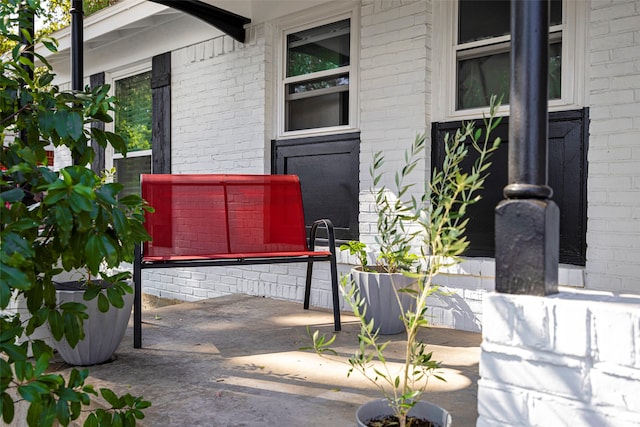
203, 220
238, 256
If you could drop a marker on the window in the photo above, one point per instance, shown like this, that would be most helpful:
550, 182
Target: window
483, 51
316, 135
317, 85
133, 121
473, 37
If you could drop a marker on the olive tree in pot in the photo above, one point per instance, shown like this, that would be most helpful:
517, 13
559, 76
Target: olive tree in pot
440, 215
378, 284
55, 221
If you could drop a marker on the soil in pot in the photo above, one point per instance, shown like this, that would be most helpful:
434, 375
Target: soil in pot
392, 421
378, 413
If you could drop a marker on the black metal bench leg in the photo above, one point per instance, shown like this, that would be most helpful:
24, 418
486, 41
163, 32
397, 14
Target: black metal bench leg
307, 287
335, 290
137, 298
336, 293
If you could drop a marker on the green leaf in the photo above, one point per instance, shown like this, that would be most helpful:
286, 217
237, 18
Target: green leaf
91, 292
14, 243
62, 412
91, 421
11, 196
11, 277
56, 324
107, 193
74, 125
32, 392
103, 303
111, 398
117, 142
120, 222
115, 297
79, 202
60, 123
42, 364
33, 414
7, 408
99, 136
94, 252
73, 307
54, 196
72, 329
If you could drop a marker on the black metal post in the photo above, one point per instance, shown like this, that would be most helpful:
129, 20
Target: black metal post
137, 297
527, 223
77, 41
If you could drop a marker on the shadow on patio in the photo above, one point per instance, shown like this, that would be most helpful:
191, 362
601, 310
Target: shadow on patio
234, 361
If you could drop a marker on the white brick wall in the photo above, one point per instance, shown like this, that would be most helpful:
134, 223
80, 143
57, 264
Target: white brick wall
218, 90
394, 89
613, 228
572, 359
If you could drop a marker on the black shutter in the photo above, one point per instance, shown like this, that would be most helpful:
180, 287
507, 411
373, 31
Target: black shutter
98, 159
328, 168
161, 117
568, 141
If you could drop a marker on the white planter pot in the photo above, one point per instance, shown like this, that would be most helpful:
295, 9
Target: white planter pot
103, 331
377, 290
423, 410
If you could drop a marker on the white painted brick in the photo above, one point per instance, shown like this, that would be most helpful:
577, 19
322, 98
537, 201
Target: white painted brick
570, 333
616, 386
613, 331
500, 404
484, 422
533, 370
554, 411
611, 11
498, 312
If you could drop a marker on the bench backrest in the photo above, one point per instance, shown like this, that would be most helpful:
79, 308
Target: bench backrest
212, 215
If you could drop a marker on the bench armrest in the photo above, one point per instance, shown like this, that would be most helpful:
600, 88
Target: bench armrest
328, 225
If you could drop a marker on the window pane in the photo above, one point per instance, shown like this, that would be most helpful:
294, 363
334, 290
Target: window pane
317, 103
479, 78
128, 172
133, 111
311, 85
331, 109
555, 70
555, 14
482, 19
318, 49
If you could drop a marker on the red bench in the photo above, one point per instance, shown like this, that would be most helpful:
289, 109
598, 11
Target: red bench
221, 220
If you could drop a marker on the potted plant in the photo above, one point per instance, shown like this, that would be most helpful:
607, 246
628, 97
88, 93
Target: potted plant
378, 284
54, 221
440, 216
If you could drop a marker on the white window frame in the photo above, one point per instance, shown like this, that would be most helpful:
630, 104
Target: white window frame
573, 29
299, 22
111, 78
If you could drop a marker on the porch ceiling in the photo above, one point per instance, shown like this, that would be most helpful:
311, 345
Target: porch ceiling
230, 23
128, 18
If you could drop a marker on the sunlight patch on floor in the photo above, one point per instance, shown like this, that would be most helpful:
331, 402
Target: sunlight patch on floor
330, 372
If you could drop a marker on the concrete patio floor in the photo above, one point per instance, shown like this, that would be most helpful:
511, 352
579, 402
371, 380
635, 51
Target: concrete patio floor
235, 361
